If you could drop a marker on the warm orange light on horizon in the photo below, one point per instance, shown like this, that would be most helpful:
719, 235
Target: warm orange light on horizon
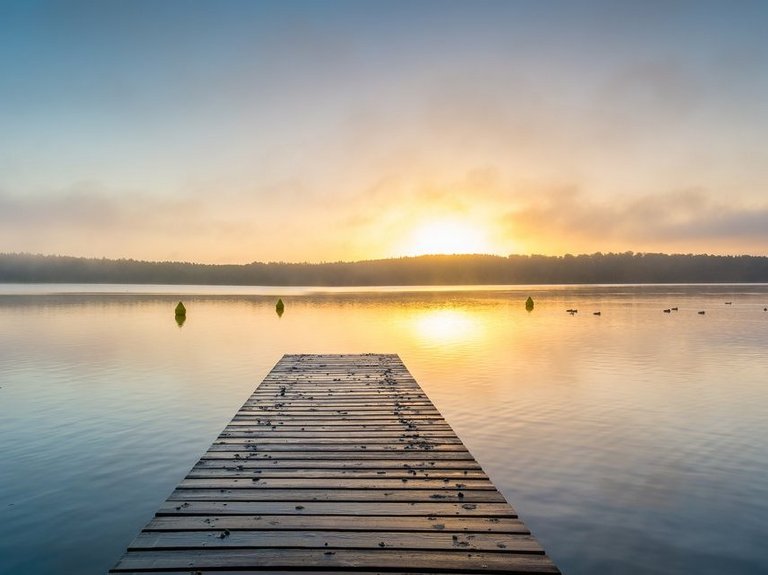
448, 236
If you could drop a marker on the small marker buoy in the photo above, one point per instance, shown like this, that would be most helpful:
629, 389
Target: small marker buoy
280, 307
180, 314
529, 303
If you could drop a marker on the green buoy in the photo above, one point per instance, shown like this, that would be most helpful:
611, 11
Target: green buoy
181, 314
529, 303
280, 307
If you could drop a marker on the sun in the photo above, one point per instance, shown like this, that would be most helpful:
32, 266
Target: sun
447, 237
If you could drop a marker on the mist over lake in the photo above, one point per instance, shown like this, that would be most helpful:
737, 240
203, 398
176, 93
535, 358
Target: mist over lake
629, 442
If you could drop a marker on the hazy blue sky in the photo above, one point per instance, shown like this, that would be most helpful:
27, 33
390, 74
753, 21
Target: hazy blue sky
240, 131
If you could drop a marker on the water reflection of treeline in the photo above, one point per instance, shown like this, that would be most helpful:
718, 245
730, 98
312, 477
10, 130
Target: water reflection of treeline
626, 267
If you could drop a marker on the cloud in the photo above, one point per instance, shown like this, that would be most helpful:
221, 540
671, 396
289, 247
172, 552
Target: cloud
693, 219
93, 220
93, 206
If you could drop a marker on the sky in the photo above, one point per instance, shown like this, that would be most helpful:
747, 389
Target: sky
232, 132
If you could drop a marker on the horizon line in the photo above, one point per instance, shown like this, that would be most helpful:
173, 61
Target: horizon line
391, 258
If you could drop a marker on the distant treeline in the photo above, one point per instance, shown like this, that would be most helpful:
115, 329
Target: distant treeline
625, 267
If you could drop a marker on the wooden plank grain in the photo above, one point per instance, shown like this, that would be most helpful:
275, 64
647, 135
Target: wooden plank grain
337, 522
334, 539
342, 559
349, 445
301, 434
416, 465
265, 424
272, 571
361, 494
327, 455
257, 481
423, 441
427, 508
271, 474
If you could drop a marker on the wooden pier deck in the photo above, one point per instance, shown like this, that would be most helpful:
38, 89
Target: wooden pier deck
336, 464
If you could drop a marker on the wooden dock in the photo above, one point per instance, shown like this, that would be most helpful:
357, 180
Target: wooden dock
336, 464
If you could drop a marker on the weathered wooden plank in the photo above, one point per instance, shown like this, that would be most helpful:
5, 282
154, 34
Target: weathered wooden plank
313, 382
307, 391
315, 407
322, 382
339, 375
303, 435
316, 384
336, 464
381, 375
333, 444
309, 439
286, 394
379, 400
333, 382
339, 427
409, 483
276, 473
291, 571
352, 399
337, 522
385, 419
299, 437
348, 446
411, 465
344, 559
310, 412
331, 539
348, 495
382, 415
342, 425
223, 460
342, 428
340, 389
336, 393
417, 421
361, 508
366, 397
329, 455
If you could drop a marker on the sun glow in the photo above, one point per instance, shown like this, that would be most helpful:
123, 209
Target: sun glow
446, 326
447, 237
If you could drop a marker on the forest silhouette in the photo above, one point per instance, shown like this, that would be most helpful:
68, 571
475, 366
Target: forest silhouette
608, 268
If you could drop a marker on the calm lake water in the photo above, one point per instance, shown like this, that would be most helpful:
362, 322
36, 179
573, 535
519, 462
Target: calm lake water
635, 441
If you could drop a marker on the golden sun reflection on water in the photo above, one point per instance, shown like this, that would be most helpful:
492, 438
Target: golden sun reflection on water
447, 326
